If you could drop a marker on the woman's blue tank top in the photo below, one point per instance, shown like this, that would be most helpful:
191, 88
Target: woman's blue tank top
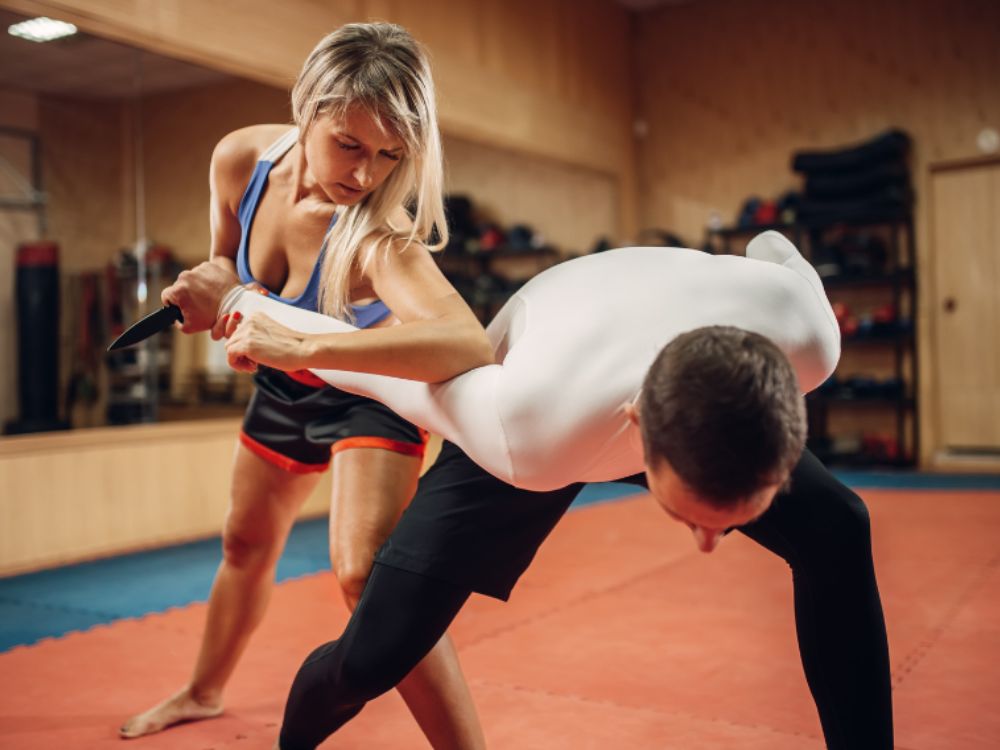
365, 315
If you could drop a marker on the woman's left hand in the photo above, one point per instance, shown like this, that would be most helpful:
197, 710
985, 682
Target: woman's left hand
259, 340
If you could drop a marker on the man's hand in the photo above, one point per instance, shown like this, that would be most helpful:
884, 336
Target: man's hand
198, 293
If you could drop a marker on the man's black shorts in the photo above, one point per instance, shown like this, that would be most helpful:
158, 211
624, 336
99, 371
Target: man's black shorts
467, 527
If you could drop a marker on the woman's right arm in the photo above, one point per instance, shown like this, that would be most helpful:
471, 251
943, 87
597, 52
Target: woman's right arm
232, 165
197, 293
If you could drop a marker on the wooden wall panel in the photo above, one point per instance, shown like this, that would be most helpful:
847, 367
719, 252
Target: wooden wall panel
83, 166
572, 207
86, 159
548, 77
17, 110
89, 156
262, 40
180, 130
730, 89
75, 496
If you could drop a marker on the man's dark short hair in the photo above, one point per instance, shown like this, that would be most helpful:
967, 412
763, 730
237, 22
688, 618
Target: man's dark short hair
723, 407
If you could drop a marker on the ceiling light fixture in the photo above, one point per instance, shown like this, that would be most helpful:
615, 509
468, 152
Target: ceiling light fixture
41, 29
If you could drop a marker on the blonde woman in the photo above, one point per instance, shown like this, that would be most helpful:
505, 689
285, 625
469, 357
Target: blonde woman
325, 203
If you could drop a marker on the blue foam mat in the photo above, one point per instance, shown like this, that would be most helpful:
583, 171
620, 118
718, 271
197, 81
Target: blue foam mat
909, 480
54, 602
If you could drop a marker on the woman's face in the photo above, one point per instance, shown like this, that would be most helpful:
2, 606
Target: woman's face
350, 156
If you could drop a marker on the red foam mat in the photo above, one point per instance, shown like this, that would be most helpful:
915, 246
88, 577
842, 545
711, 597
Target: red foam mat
621, 635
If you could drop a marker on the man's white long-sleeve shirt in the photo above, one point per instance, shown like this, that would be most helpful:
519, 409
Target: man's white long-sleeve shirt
573, 346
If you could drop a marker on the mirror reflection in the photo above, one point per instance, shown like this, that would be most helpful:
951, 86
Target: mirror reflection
104, 198
104, 153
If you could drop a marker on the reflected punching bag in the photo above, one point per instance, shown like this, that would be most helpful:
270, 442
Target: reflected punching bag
37, 302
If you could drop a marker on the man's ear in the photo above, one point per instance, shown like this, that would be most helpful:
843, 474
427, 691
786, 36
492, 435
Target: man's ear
632, 412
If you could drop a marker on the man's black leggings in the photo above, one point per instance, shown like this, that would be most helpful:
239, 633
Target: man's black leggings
397, 621
820, 528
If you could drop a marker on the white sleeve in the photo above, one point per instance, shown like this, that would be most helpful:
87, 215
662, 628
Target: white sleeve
463, 410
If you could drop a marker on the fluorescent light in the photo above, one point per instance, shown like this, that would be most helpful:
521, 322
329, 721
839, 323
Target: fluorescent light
41, 29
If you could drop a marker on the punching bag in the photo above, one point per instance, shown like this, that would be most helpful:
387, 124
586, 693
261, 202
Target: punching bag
37, 300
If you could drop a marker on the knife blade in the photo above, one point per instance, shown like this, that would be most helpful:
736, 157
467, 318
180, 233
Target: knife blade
142, 329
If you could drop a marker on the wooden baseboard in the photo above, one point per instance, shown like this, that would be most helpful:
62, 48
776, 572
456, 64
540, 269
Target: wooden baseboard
964, 464
86, 494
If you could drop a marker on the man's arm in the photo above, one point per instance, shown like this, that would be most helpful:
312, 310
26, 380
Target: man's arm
463, 410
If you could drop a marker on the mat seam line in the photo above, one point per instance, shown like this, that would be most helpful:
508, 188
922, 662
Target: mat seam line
913, 659
60, 608
590, 594
646, 709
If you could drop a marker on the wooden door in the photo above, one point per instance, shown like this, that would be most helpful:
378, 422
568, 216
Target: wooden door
965, 204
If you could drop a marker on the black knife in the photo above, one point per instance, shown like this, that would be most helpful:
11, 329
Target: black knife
142, 329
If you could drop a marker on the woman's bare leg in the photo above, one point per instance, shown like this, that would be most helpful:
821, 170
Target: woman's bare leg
265, 502
371, 487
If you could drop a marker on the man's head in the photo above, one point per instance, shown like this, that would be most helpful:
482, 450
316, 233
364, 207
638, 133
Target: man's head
722, 424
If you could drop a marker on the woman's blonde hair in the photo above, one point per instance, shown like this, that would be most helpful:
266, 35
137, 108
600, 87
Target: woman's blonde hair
382, 69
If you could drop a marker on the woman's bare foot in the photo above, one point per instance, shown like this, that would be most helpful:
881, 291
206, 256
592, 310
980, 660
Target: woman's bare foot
179, 707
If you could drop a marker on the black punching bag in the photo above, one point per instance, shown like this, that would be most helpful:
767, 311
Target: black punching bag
37, 300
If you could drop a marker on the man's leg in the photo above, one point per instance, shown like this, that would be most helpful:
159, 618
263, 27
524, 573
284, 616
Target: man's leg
399, 618
371, 487
463, 526
821, 529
